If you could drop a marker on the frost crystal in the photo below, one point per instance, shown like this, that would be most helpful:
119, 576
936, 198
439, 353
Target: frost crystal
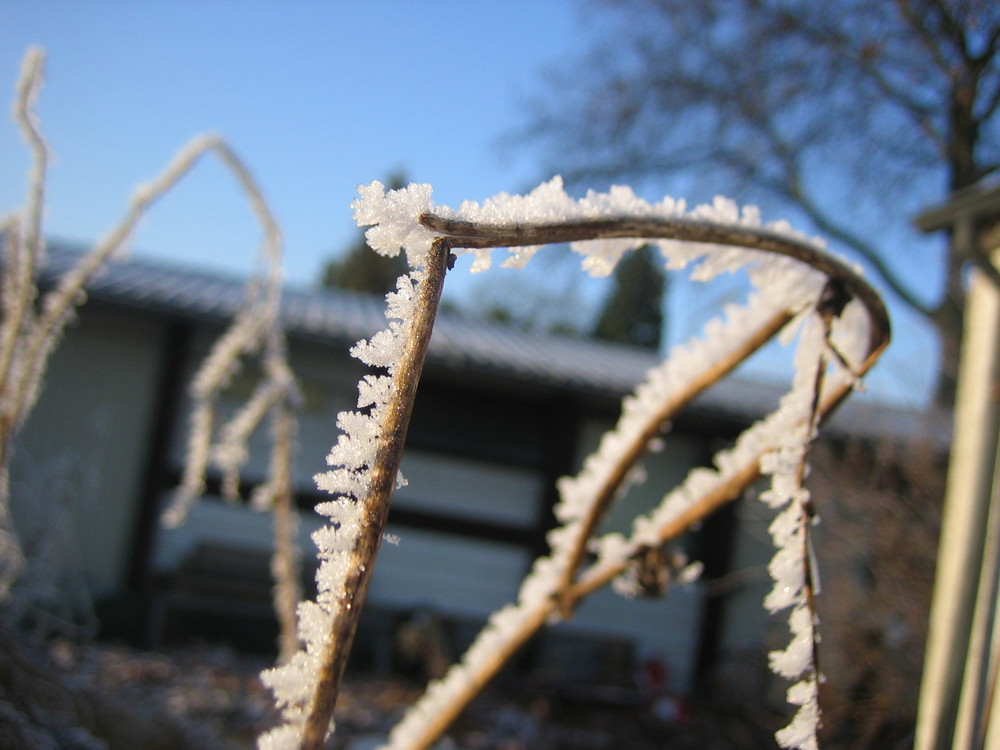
394, 215
800, 734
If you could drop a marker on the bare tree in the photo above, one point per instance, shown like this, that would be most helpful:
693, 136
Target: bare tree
853, 112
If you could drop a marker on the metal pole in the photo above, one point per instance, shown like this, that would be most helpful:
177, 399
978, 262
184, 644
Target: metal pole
966, 511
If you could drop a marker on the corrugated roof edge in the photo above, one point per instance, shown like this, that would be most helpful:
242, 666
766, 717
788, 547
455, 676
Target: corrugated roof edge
580, 365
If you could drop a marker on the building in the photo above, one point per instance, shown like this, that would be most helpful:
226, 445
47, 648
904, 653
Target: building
499, 417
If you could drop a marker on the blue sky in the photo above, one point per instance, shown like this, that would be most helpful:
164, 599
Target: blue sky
317, 97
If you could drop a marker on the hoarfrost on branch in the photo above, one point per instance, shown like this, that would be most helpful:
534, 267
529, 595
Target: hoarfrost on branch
785, 293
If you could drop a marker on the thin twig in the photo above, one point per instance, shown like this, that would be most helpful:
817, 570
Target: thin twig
24, 244
24, 112
654, 427
392, 435
285, 562
467, 234
23, 247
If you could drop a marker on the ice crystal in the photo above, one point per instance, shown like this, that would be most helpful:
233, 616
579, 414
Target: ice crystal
800, 734
393, 215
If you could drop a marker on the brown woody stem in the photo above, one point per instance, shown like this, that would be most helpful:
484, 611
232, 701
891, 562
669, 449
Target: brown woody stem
392, 436
465, 234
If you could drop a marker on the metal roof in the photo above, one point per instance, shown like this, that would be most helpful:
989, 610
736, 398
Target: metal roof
340, 318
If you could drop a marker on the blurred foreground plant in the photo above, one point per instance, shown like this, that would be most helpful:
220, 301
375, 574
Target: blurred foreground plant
33, 321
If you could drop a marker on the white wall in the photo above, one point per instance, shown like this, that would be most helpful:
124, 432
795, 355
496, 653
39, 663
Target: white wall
470, 489
451, 574
669, 626
83, 449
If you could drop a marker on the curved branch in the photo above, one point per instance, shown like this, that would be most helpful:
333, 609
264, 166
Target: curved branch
790, 186
465, 234
828, 227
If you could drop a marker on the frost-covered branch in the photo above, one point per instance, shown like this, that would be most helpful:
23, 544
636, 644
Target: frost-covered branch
23, 245
791, 276
688, 229
277, 495
256, 328
23, 249
367, 458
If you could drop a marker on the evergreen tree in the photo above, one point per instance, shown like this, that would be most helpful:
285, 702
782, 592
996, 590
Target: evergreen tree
362, 269
633, 310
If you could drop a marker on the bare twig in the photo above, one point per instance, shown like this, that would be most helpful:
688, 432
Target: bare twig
388, 454
285, 562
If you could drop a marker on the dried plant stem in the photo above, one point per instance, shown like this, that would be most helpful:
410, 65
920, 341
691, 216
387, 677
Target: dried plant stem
465, 234
255, 326
28, 87
572, 587
383, 481
24, 246
285, 563
810, 577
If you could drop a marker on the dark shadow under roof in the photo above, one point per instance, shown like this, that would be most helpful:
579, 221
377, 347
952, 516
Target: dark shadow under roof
575, 365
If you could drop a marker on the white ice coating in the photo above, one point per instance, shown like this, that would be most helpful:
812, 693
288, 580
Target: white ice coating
786, 464
779, 283
801, 731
